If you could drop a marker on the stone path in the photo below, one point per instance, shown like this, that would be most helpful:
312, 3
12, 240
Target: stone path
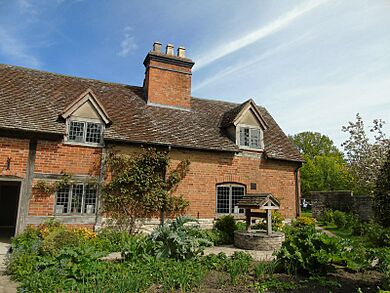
230, 249
319, 228
6, 285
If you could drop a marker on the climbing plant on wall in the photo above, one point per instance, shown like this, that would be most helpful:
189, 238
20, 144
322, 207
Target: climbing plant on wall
141, 187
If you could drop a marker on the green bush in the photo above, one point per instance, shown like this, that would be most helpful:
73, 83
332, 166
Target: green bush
340, 219
307, 251
377, 235
181, 239
227, 225
327, 217
303, 221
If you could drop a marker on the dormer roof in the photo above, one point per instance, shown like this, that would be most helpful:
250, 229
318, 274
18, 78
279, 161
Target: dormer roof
233, 116
86, 97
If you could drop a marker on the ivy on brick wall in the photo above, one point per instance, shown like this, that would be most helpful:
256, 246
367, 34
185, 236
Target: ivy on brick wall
46, 188
141, 187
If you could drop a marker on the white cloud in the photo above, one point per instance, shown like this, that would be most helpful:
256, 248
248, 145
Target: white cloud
260, 33
128, 43
16, 50
243, 65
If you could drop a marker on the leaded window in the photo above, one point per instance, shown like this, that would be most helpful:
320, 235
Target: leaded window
76, 199
228, 196
250, 137
85, 132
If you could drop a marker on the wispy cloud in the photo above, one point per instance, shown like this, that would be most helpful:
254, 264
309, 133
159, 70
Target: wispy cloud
243, 65
260, 33
128, 43
16, 50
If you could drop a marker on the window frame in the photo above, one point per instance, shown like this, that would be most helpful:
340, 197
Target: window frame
69, 205
230, 186
85, 122
249, 127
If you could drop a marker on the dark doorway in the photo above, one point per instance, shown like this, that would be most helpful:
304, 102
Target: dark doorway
9, 201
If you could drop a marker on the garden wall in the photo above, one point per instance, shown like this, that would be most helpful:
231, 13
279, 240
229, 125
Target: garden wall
343, 201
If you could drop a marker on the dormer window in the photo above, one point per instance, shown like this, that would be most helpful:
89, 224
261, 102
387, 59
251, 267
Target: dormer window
85, 132
250, 137
86, 120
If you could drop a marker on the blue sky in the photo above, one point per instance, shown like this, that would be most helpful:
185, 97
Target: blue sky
313, 64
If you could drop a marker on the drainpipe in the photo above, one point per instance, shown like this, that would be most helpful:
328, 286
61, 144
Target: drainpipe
297, 191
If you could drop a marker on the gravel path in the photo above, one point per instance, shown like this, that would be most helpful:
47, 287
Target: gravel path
230, 249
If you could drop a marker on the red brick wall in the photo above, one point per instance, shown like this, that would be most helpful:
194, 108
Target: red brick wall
56, 158
209, 169
168, 87
17, 150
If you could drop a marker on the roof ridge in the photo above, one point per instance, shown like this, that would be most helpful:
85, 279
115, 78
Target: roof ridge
66, 75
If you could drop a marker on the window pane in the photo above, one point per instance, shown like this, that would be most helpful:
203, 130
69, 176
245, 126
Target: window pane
77, 198
223, 199
76, 131
94, 132
90, 199
237, 194
255, 138
62, 201
244, 136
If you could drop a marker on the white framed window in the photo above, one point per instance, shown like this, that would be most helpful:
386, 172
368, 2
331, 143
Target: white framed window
227, 197
250, 137
85, 132
78, 198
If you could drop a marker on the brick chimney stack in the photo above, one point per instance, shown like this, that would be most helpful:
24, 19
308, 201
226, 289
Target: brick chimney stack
168, 77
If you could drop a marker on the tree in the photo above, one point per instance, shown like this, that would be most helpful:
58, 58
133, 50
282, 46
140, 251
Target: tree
324, 168
382, 194
312, 144
365, 159
140, 188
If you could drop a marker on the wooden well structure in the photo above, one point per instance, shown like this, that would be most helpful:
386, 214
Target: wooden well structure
262, 201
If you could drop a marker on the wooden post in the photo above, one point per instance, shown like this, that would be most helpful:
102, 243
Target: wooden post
269, 222
248, 219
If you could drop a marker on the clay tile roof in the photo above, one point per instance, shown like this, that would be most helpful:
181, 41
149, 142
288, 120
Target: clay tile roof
33, 100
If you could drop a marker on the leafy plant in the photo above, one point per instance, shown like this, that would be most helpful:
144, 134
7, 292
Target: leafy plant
303, 221
308, 251
140, 188
180, 239
227, 225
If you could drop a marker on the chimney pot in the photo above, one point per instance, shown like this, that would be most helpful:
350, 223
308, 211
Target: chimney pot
157, 47
181, 52
169, 49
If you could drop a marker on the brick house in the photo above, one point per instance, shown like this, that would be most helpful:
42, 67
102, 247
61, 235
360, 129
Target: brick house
52, 124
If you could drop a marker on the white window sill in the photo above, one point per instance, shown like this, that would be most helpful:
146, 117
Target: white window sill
84, 144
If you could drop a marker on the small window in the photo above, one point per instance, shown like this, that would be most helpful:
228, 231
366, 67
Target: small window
228, 196
85, 132
250, 137
76, 199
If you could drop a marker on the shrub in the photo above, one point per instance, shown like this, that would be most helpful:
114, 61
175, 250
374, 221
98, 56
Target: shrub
181, 239
377, 235
307, 251
227, 225
303, 221
327, 217
340, 219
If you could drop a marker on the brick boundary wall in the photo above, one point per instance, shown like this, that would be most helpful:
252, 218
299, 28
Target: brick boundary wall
343, 201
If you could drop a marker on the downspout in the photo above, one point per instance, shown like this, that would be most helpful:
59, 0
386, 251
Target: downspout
297, 191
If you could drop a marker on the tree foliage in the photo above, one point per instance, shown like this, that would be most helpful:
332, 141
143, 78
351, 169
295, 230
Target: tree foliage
324, 169
364, 158
382, 194
141, 186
